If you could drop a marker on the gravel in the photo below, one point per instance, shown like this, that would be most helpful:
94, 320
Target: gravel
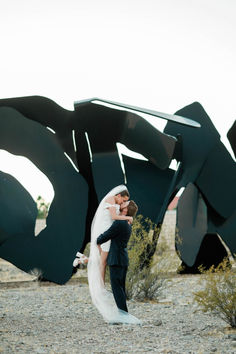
48, 318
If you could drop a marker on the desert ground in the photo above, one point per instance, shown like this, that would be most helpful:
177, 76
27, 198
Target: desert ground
47, 318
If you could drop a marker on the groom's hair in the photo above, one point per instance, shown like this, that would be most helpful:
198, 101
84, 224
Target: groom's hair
132, 209
124, 193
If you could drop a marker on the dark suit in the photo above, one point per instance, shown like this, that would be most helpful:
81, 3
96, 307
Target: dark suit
119, 234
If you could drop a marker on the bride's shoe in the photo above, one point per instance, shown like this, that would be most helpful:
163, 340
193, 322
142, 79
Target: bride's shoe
76, 262
79, 254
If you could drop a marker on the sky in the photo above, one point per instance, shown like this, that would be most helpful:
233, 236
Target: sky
157, 54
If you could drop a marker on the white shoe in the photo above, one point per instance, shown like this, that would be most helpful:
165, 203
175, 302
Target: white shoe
76, 262
78, 254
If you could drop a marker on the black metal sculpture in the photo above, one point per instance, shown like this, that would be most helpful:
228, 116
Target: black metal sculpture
207, 206
88, 136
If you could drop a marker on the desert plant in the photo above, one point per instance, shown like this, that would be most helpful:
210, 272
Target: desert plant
219, 293
43, 208
147, 285
141, 282
143, 241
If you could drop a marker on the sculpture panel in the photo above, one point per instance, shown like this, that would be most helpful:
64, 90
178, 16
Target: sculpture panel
87, 137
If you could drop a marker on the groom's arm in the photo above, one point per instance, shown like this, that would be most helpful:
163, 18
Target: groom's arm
112, 232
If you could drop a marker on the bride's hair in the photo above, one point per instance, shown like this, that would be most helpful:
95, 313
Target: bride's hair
124, 193
132, 209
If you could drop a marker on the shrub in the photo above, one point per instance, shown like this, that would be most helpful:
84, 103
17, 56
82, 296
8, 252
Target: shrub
219, 294
43, 208
141, 281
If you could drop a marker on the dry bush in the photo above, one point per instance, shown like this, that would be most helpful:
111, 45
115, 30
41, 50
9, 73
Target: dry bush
145, 285
87, 250
142, 282
219, 293
42, 207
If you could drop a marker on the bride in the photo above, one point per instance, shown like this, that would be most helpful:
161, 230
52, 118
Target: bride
110, 211
107, 211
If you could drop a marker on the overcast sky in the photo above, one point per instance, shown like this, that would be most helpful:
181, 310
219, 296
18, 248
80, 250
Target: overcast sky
157, 54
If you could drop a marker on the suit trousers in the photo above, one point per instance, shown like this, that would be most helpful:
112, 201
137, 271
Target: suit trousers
117, 278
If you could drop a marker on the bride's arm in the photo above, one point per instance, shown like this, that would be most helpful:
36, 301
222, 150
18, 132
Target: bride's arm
114, 216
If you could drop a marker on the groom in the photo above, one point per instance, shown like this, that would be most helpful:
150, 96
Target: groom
119, 234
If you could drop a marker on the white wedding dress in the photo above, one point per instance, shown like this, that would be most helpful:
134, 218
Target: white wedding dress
107, 222
101, 297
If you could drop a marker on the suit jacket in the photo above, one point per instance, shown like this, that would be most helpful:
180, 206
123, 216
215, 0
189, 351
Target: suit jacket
119, 234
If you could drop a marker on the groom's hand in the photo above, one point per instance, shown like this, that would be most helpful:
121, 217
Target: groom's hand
100, 248
130, 220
